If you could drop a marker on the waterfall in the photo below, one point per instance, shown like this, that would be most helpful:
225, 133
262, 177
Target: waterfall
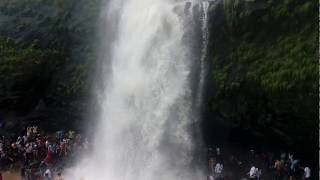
145, 121
205, 38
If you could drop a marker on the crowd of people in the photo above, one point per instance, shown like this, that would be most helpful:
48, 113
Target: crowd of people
40, 156
256, 166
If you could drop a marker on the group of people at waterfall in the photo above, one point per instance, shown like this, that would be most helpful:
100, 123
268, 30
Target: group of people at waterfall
256, 166
39, 155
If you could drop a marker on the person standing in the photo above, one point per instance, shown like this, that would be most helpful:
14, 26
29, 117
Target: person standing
47, 175
218, 170
218, 151
307, 173
290, 157
211, 166
218, 154
253, 173
259, 173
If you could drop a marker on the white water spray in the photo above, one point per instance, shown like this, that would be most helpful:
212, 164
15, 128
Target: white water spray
145, 121
205, 39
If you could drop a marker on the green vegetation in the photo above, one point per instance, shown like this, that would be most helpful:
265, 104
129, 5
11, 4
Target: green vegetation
264, 62
25, 72
46, 52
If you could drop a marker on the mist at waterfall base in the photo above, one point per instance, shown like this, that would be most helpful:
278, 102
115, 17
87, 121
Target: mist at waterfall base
151, 92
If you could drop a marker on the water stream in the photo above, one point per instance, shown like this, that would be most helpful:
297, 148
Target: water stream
145, 122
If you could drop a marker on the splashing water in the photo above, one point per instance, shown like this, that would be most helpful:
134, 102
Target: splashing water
144, 126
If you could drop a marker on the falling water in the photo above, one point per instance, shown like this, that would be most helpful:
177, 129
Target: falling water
205, 38
145, 119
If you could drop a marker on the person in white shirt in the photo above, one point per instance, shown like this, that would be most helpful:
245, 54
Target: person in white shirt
25, 138
218, 151
259, 173
290, 157
47, 175
307, 173
218, 170
253, 173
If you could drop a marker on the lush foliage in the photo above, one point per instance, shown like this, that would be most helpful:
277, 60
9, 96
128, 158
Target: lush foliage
47, 40
264, 61
25, 73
